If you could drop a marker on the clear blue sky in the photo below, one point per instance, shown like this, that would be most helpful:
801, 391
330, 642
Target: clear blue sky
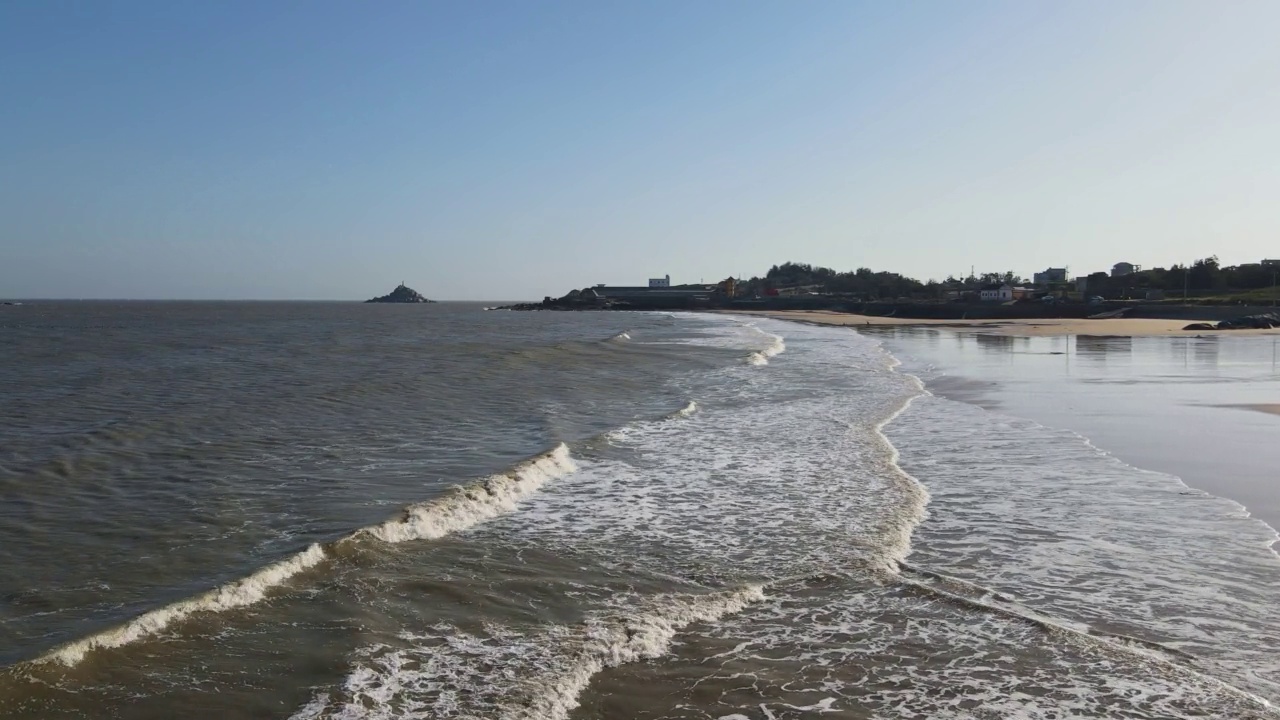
485, 150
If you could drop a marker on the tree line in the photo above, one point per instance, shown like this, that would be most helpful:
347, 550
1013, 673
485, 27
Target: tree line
1204, 276
862, 282
1201, 277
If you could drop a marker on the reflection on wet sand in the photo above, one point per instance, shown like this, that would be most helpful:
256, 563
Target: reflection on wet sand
1165, 404
1099, 347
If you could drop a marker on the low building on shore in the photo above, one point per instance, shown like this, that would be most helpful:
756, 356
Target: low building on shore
996, 292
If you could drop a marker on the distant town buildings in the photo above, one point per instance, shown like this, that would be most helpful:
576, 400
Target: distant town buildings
1121, 269
1050, 276
661, 282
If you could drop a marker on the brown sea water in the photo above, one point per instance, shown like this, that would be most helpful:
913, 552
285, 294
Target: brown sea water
244, 510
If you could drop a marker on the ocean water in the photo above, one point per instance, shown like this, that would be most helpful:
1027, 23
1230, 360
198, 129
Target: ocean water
347, 511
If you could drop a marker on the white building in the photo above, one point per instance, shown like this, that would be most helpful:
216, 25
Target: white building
996, 293
662, 282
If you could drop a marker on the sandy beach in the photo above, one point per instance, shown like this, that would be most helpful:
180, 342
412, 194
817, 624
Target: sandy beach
1043, 327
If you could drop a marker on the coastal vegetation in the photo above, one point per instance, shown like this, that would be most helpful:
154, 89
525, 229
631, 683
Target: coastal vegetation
1053, 293
1205, 279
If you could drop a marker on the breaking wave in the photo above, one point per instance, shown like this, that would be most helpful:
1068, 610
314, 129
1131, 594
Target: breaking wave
685, 411
639, 426
239, 593
465, 506
447, 666
460, 508
761, 357
619, 641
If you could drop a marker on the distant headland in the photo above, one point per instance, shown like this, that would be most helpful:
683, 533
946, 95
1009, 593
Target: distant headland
402, 294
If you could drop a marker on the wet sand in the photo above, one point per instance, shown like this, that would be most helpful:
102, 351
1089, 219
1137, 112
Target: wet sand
1271, 408
1042, 327
1168, 404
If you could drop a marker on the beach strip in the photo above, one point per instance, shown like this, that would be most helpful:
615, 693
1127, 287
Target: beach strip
1037, 327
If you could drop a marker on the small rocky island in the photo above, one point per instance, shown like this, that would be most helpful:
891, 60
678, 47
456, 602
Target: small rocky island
402, 294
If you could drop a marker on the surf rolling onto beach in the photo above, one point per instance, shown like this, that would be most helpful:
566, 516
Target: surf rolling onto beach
466, 514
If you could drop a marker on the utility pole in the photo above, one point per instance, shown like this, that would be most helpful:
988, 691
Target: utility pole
1186, 283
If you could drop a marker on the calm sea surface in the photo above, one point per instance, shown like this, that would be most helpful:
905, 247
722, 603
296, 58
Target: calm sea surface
311, 510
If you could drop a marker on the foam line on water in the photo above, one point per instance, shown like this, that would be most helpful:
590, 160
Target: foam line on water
466, 506
461, 508
237, 594
912, 513
956, 582
685, 411
515, 676
775, 347
645, 637
1116, 642
1272, 542
622, 433
988, 596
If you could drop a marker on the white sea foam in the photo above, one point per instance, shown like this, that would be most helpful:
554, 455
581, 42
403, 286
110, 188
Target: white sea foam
775, 346
915, 495
240, 593
1048, 574
465, 506
623, 433
947, 662
1084, 544
516, 676
776, 474
686, 411
617, 641
1081, 538
460, 509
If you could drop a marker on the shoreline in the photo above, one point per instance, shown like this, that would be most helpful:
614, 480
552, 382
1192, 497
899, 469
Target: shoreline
1105, 402
1040, 327
1268, 408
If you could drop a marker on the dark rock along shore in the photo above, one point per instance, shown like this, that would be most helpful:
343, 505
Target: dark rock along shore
1248, 322
402, 294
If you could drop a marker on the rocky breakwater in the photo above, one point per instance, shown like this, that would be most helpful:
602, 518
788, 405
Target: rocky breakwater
402, 294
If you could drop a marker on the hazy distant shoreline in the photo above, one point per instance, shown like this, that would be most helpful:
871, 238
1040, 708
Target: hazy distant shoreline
1040, 327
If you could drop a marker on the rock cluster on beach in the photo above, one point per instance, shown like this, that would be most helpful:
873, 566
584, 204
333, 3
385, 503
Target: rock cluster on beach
402, 294
1265, 321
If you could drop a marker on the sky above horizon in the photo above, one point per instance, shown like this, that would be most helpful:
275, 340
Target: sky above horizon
505, 151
